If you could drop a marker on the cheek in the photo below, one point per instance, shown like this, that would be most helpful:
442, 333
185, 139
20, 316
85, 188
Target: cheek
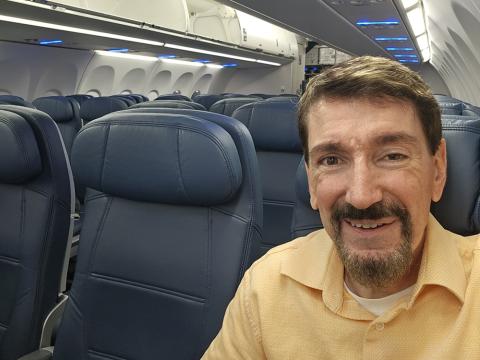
328, 190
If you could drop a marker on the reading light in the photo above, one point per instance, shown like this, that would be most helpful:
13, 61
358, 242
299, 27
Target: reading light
126, 56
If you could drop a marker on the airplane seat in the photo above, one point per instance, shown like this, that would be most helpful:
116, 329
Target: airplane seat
263, 96
15, 100
80, 98
173, 97
174, 104
227, 106
207, 100
96, 107
125, 98
138, 98
305, 219
273, 126
471, 110
36, 204
65, 112
459, 208
171, 216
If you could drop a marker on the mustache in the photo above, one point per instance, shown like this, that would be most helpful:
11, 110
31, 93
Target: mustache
375, 211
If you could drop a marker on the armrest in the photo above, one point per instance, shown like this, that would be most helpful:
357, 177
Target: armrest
52, 322
42, 354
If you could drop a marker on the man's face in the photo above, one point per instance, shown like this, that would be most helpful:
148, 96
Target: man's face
372, 176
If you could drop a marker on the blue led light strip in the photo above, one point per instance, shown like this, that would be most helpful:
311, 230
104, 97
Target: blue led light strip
399, 49
50, 42
405, 56
400, 38
408, 61
384, 22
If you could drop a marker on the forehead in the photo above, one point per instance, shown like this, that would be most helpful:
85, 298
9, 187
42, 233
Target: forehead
361, 120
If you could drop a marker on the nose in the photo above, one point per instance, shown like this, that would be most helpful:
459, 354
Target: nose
363, 189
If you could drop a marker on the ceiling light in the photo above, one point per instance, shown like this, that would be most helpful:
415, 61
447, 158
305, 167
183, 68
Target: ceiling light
426, 54
214, 66
378, 22
268, 63
417, 21
422, 41
182, 62
409, 3
208, 52
230, 65
167, 56
121, 50
405, 56
126, 56
413, 61
43, 24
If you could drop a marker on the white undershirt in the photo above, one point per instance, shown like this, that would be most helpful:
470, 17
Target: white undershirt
382, 305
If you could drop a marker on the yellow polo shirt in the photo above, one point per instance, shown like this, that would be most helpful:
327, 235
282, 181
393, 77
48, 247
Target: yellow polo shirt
291, 304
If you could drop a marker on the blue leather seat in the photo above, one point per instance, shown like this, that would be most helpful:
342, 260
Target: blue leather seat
227, 106
173, 97
15, 100
172, 213
174, 104
458, 210
65, 112
35, 207
94, 108
80, 98
127, 99
207, 100
305, 219
273, 126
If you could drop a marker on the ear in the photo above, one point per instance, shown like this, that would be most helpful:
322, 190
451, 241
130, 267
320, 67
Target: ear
311, 187
440, 171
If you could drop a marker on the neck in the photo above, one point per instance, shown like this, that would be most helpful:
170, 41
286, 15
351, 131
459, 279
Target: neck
372, 292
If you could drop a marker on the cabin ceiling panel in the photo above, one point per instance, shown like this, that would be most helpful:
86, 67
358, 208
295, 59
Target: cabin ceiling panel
453, 27
314, 19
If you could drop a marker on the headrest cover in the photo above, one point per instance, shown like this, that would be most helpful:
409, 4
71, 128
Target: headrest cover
94, 108
459, 208
20, 158
59, 108
164, 158
273, 125
174, 104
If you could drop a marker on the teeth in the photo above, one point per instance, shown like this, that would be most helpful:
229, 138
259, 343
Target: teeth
366, 226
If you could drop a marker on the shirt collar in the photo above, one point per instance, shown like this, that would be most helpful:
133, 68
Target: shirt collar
316, 264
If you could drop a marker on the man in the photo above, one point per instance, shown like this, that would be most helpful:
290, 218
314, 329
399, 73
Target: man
383, 280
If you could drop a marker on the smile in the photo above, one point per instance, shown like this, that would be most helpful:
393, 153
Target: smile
366, 224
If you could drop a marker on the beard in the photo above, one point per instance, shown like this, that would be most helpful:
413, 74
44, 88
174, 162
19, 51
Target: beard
374, 271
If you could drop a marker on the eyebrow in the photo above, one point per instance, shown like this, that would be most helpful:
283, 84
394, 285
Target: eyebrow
381, 140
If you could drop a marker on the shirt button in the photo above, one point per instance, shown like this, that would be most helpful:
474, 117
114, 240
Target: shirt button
379, 326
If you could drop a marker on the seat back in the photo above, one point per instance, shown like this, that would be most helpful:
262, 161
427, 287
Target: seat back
65, 112
207, 100
171, 215
94, 108
274, 130
173, 97
80, 98
15, 100
229, 105
305, 219
458, 210
36, 206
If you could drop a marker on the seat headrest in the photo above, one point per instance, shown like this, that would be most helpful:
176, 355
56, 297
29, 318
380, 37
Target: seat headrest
59, 108
94, 108
164, 158
173, 97
15, 100
273, 124
207, 100
80, 98
174, 104
459, 208
229, 105
20, 158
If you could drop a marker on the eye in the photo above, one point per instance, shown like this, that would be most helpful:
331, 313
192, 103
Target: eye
395, 157
329, 161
